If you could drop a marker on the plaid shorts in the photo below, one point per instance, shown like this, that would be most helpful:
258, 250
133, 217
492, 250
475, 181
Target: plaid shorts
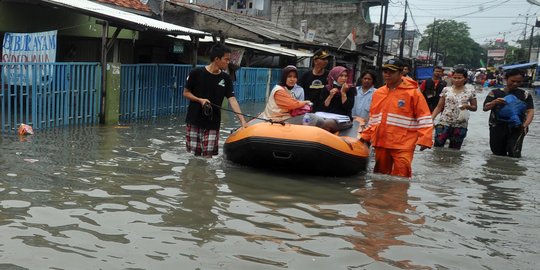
202, 142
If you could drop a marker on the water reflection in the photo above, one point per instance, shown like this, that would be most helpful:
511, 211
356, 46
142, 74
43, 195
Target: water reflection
447, 158
387, 216
501, 190
501, 194
286, 189
130, 197
502, 168
280, 217
197, 206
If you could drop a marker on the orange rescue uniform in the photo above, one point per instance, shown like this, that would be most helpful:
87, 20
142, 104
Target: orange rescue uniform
399, 119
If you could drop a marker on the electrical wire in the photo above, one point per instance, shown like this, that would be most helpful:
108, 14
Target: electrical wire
412, 18
484, 10
468, 6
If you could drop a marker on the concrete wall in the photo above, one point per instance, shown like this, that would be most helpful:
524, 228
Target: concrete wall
219, 4
331, 20
182, 16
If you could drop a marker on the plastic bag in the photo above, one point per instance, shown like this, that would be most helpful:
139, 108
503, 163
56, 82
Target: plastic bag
300, 111
25, 129
512, 111
463, 116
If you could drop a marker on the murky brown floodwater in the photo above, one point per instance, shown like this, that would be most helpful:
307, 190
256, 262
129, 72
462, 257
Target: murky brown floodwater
131, 198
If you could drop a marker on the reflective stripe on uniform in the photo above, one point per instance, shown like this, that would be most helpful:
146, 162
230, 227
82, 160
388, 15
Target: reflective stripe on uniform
409, 122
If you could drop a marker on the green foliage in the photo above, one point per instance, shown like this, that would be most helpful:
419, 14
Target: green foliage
454, 42
524, 43
522, 54
515, 54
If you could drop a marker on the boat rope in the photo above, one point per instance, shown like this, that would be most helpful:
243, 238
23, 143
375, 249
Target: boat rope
208, 110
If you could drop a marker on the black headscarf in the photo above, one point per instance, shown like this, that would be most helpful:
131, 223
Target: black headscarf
285, 72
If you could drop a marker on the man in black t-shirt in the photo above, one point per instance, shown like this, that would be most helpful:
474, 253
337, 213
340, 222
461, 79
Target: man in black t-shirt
506, 135
431, 88
313, 81
206, 87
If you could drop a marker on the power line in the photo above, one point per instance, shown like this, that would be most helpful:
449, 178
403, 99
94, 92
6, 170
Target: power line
434, 4
467, 6
481, 7
412, 18
490, 7
475, 17
512, 31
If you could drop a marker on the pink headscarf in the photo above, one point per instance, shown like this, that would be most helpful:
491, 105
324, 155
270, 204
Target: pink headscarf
333, 76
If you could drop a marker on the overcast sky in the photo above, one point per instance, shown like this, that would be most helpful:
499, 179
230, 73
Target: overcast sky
487, 19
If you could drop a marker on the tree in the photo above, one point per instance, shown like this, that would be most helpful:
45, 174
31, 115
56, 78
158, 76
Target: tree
522, 54
524, 43
515, 54
452, 40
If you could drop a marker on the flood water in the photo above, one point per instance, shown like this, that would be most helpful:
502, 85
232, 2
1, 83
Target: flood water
130, 197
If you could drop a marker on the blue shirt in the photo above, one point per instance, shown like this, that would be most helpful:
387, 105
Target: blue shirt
362, 102
298, 92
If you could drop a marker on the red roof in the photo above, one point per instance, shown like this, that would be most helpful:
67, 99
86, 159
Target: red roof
132, 4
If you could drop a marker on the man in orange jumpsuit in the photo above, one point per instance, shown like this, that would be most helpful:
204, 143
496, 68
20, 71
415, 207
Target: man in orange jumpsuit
399, 119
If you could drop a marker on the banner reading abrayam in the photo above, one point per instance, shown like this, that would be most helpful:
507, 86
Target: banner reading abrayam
37, 47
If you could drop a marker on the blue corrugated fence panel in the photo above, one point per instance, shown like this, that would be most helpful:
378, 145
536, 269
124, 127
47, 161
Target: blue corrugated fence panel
274, 79
152, 90
57, 94
47, 95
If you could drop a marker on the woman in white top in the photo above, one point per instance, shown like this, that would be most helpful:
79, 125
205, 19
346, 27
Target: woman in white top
282, 100
454, 105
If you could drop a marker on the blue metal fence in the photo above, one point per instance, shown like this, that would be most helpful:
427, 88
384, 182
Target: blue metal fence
47, 95
275, 74
152, 90
251, 83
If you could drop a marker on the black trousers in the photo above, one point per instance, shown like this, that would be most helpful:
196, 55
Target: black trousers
505, 140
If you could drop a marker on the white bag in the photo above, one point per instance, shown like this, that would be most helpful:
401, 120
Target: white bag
463, 116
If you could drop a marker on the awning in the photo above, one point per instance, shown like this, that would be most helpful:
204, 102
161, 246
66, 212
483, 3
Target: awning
365, 59
268, 48
520, 66
256, 46
122, 18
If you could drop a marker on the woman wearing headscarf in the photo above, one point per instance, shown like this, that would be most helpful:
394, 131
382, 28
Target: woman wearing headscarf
338, 96
281, 100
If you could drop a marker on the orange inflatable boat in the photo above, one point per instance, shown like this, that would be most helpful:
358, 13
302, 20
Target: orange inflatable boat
297, 148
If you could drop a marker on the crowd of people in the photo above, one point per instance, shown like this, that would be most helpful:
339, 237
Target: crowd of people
394, 118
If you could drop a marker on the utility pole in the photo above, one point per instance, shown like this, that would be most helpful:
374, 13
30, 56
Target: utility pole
530, 44
382, 34
525, 26
278, 12
380, 53
437, 47
403, 24
379, 41
162, 10
538, 52
525, 29
430, 50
